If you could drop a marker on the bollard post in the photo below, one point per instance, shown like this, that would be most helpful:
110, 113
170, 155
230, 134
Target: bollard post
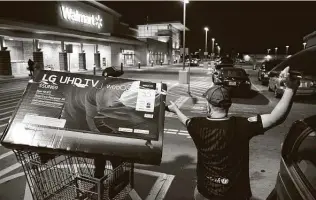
121, 67
138, 65
161, 62
152, 63
93, 70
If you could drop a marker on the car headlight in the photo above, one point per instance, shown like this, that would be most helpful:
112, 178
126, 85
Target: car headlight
247, 82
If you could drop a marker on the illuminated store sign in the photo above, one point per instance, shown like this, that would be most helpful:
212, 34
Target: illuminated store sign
74, 15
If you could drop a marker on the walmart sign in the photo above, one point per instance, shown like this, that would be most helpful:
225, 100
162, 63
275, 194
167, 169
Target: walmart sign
76, 16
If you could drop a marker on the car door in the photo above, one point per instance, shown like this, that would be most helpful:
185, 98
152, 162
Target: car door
297, 176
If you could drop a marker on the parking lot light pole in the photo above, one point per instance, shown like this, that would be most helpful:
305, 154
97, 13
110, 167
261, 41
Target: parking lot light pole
286, 50
268, 51
304, 45
213, 40
276, 51
206, 30
184, 9
218, 50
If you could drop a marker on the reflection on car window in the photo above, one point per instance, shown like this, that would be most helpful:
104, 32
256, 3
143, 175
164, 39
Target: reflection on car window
306, 158
270, 64
305, 63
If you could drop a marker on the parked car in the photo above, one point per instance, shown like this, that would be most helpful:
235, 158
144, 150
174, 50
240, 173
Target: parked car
302, 65
194, 62
235, 78
265, 67
112, 72
226, 60
296, 179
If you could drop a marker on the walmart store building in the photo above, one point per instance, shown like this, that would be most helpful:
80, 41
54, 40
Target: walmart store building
72, 36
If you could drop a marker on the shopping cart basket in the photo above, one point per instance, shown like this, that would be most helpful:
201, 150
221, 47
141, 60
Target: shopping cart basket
68, 178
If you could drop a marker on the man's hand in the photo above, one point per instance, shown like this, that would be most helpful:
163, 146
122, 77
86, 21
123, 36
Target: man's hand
173, 107
288, 81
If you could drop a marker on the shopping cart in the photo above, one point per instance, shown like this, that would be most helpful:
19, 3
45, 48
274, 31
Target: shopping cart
64, 177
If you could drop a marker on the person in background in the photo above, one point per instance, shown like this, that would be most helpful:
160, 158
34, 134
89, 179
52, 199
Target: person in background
222, 142
30, 64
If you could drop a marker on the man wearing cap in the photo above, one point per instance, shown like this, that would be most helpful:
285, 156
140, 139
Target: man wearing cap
222, 142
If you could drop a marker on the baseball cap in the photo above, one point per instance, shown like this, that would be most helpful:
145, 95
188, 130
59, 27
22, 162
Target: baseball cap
218, 96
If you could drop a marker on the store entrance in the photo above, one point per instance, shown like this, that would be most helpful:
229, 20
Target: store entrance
129, 57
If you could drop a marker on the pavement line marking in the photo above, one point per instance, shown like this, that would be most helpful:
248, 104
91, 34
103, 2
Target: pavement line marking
174, 133
3, 125
256, 88
185, 134
8, 112
153, 193
27, 192
5, 118
133, 194
181, 102
9, 169
164, 189
9, 153
174, 85
9, 178
8, 108
13, 89
10, 96
149, 173
14, 99
171, 129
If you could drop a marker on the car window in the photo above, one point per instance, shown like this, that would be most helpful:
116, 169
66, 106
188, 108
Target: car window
306, 158
269, 65
234, 73
305, 63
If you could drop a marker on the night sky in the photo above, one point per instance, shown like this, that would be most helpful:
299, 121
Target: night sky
246, 27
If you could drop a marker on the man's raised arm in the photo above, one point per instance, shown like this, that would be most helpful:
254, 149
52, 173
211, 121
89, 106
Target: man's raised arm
174, 108
282, 109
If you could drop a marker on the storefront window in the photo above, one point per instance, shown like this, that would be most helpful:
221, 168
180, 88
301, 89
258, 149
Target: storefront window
129, 57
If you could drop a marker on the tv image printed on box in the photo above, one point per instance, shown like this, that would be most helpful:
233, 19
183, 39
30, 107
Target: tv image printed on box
67, 103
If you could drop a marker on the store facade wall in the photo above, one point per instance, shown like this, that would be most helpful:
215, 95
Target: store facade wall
59, 16
153, 52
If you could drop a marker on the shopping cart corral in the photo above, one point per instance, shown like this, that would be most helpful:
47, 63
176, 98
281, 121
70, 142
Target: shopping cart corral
59, 153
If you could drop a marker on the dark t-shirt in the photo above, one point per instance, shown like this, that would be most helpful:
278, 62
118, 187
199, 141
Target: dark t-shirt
223, 155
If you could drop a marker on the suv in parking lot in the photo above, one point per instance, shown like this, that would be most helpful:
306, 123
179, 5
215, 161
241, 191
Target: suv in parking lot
303, 65
265, 67
296, 179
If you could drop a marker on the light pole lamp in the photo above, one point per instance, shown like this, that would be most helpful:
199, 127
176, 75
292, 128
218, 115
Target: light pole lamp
268, 51
184, 9
218, 50
206, 30
276, 51
304, 45
286, 50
